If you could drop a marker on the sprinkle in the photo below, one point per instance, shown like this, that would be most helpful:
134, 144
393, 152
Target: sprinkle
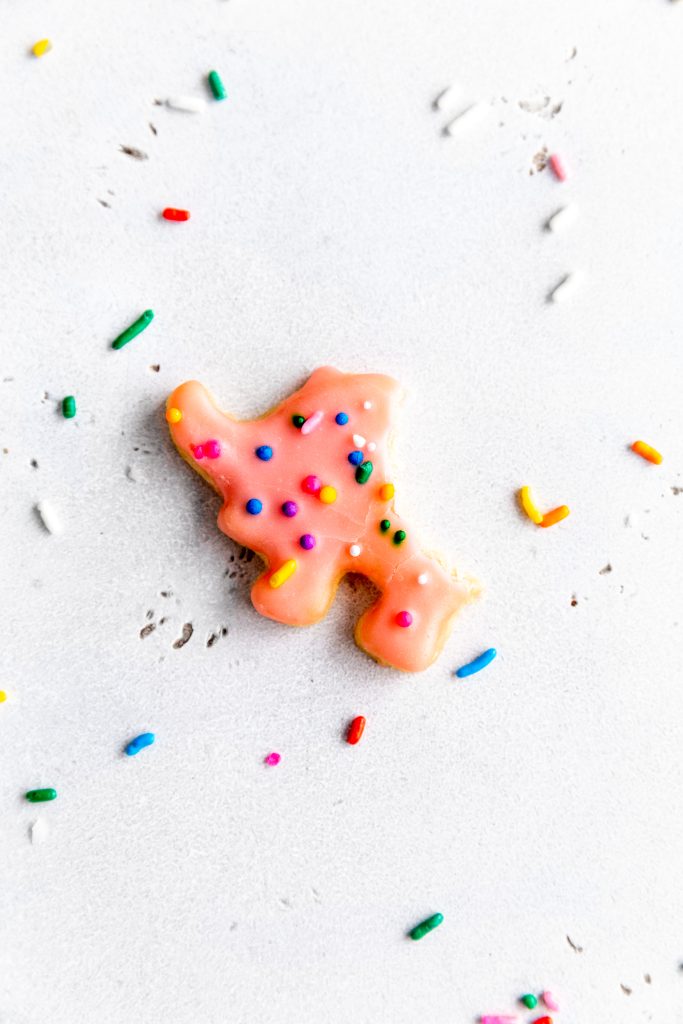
385, 525
545, 1020
3, 696
282, 574
307, 541
135, 328
50, 518
289, 509
173, 415
399, 537
170, 213
312, 422
422, 929
41, 47
367, 404
387, 491
550, 1001
555, 516
341, 418
311, 484
38, 831
328, 495
565, 218
422, 579
188, 104
254, 507
355, 730
529, 506
212, 449
264, 452
359, 440
646, 452
41, 796
404, 619
478, 664
145, 739
355, 458
273, 759
497, 1018
364, 472
448, 95
197, 450
69, 407
557, 167
355, 550
371, 446
566, 288
298, 421
530, 1001
470, 117
216, 86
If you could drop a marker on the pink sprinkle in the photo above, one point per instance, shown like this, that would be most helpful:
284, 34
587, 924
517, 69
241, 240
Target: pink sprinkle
498, 1019
312, 422
404, 619
549, 1000
212, 449
273, 758
197, 450
557, 167
311, 484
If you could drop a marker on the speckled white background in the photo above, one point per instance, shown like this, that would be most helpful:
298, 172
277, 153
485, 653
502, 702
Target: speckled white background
332, 222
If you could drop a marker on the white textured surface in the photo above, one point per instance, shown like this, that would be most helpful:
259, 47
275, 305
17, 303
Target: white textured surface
333, 222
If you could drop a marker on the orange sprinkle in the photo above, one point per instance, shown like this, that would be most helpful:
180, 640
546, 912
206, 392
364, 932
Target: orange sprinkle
646, 451
555, 516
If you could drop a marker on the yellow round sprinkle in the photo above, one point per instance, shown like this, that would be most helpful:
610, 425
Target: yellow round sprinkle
3, 696
387, 491
41, 47
327, 495
282, 574
173, 415
529, 506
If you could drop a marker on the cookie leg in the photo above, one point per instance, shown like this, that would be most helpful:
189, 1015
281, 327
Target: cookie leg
303, 597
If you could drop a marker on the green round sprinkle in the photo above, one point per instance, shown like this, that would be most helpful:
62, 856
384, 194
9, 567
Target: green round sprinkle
134, 329
40, 796
298, 421
399, 537
69, 407
420, 930
530, 1001
364, 472
385, 525
217, 87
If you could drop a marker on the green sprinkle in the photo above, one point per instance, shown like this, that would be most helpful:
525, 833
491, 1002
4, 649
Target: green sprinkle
298, 421
385, 525
69, 407
420, 930
134, 329
364, 472
40, 796
530, 1001
217, 87
399, 537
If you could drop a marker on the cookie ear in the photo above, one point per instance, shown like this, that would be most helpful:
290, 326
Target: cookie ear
203, 434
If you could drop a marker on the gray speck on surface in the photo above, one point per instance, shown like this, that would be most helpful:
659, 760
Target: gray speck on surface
187, 632
146, 630
677, 490
150, 614
572, 54
626, 990
34, 463
605, 569
156, 367
648, 979
165, 593
152, 128
103, 202
577, 949
137, 154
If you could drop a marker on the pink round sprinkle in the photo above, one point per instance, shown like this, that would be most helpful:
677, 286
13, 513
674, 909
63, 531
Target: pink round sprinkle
290, 508
197, 450
273, 758
404, 619
311, 484
212, 449
557, 167
549, 1000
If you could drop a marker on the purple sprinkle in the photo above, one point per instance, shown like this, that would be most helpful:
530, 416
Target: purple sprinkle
290, 508
307, 541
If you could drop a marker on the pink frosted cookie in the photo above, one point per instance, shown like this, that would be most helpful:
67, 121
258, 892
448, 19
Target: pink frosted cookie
307, 487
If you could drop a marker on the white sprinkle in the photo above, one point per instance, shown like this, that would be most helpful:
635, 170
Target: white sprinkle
566, 288
38, 831
50, 518
563, 219
422, 578
371, 446
367, 404
189, 104
447, 97
354, 550
470, 117
312, 422
359, 440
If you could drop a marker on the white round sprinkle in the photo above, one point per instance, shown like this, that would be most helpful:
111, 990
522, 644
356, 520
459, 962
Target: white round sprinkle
188, 104
354, 550
422, 578
566, 288
50, 518
371, 446
564, 218
367, 404
37, 831
358, 440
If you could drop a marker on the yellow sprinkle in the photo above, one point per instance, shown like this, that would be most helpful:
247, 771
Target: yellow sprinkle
529, 506
327, 495
3, 696
173, 415
41, 47
282, 574
646, 451
387, 491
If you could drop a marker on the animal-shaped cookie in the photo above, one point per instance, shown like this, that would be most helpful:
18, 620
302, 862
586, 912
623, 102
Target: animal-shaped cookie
308, 488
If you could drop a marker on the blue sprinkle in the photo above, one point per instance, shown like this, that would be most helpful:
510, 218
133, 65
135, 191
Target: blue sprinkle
254, 506
355, 458
478, 664
264, 452
145, 739
341, 418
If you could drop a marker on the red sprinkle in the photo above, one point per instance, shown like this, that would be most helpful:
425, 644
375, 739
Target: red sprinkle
171, 214
355, 730
543, 1020
557, 167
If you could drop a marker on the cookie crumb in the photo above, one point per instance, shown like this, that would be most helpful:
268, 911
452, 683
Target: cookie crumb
187, 632
137, 154
146, 630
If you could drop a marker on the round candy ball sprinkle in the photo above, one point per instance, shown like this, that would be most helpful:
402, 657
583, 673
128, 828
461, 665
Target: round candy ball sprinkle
3, 696
290, 508
264, 452
355, 458
173, 415
355, 550
273, 759
367, 404
385, 525
307, 541
530, 1001
404, 619
328, 495
254, 506
341, 418
311, 484
298, 421
212, 449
